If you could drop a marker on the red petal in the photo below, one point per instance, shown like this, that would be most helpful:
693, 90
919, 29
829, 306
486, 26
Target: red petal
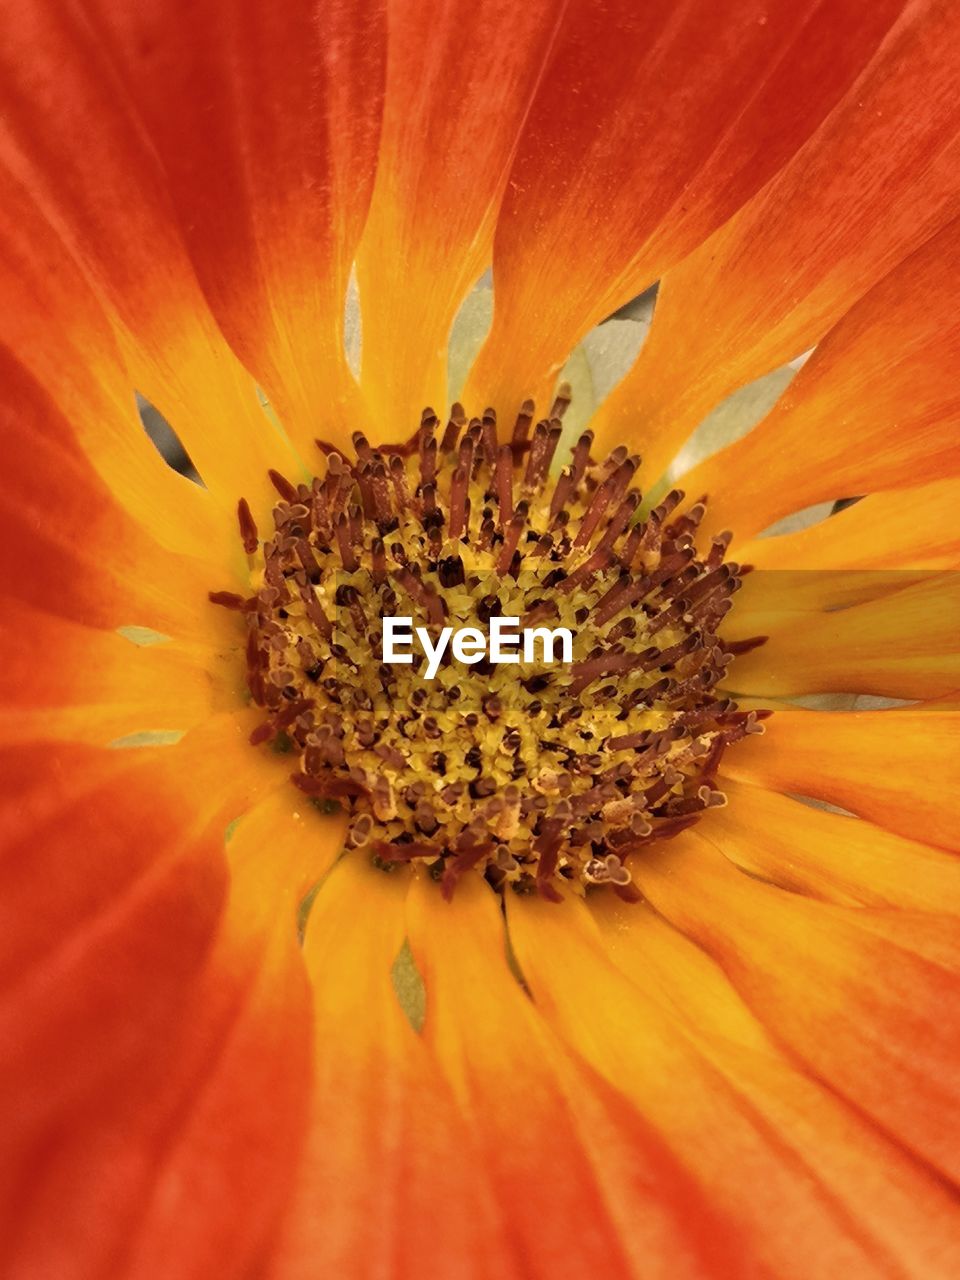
874, 408
879, 177
867, 999
619, 172
228, 1153
59, 680
110, 903
95, 182
901, 1212
719, 1108
266, 124
460, 78
58, 335
145, 1020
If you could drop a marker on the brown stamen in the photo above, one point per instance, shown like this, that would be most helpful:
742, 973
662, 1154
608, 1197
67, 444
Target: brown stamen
543, 777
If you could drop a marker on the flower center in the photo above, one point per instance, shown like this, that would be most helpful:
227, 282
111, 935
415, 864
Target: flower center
554, 764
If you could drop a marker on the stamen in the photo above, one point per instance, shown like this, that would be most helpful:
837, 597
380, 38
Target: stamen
545, 778
248, 528
504, 485
521, 428
283, 486
452, 432
561, 401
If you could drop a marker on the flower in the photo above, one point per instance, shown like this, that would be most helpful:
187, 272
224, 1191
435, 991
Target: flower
232, 1047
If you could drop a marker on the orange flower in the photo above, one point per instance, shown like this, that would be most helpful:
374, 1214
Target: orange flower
225, 1049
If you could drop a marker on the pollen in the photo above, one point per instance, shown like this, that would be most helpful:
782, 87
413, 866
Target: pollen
538, 775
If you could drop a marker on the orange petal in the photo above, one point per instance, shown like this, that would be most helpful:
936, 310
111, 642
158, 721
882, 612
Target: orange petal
888, 1199
69, 547
62, 680
390, 1180
769, 601
829, 855
458, 87
90, 178
266, 125
617, 175
215, 758
903, 645
562, 1148
776, 1214
907, 528
211, 1206
874, 407
142, 1162
875, 181
60, 339
899, 768
866, 998
67, 809
111, 899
